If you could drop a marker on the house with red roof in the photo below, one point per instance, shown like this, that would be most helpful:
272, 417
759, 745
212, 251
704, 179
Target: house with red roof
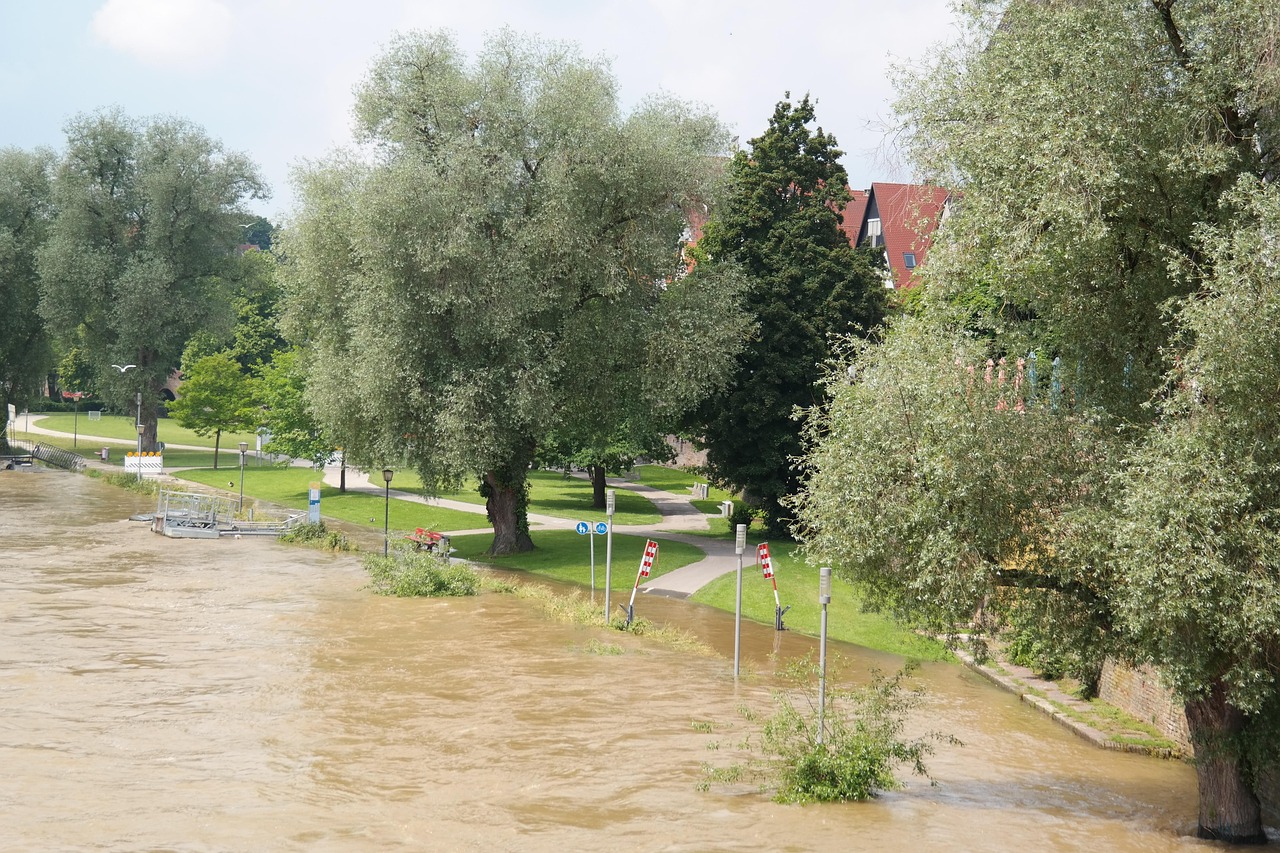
902, 219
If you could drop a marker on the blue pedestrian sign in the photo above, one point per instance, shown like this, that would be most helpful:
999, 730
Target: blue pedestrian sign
602, 528
583, 528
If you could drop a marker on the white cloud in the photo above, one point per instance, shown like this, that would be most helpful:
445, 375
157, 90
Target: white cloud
168, 34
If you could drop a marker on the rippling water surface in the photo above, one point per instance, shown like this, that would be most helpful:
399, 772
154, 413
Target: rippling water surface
192, 695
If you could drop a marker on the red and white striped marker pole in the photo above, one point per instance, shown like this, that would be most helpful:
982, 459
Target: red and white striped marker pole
646, 565
766, 566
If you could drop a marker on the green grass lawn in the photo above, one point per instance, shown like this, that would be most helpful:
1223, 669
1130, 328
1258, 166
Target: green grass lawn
551, 493
227, 460
798, 587
289, 487
680, 482
122, 427
566, 556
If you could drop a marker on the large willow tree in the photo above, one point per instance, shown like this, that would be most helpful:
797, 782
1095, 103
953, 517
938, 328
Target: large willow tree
148, 219
1082, 429
505, 237
25, 213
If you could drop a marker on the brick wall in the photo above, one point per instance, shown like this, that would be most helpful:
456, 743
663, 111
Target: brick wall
1141, 693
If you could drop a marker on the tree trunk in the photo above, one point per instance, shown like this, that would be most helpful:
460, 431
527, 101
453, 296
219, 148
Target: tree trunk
150, 432
4, 420
342, 474
597, 485
505, 504
217, 439
1229, 808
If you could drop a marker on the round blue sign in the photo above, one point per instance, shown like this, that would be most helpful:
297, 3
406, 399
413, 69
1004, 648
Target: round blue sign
582, 527
602, 528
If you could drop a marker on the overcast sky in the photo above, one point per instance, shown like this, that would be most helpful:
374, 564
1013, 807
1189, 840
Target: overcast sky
273, 78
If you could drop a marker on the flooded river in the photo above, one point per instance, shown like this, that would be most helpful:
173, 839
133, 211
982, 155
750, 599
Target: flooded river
234, 695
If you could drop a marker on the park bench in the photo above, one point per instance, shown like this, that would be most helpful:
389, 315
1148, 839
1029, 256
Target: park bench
425, 540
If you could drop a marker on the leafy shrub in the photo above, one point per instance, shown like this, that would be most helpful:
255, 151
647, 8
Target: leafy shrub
860, 752
316, 535
410, 574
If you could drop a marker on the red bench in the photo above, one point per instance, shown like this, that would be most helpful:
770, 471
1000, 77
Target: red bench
426, 540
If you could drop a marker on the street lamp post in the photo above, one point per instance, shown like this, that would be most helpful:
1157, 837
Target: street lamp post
824, 598
610, 503
739, 545
75, 419
139, 459
386, 510
138, 424
244, 448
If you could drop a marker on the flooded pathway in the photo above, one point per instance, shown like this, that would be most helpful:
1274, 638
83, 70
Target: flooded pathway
191, 695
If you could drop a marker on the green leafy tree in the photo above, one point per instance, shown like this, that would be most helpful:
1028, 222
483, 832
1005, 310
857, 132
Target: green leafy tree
256, 336
1080, 425
147, 226
444, 289
215, 396
25, 213
779, 225
625, 400
281, 391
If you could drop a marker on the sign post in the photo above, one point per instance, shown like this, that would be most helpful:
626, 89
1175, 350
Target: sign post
589, 530
313, 503
646, 564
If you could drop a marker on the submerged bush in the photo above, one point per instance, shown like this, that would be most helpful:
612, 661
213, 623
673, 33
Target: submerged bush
861, 750
420, 573
316, 535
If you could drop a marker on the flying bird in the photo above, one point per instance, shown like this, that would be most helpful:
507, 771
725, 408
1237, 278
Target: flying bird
124, 367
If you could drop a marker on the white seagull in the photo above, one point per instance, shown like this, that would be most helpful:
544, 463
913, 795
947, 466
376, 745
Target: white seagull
123, 368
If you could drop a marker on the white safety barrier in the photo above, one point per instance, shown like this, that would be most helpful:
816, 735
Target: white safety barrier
149, 463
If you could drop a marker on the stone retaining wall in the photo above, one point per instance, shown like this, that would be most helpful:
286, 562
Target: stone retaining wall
1142, 694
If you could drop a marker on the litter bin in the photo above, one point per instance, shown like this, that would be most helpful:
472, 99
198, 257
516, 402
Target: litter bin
104, 453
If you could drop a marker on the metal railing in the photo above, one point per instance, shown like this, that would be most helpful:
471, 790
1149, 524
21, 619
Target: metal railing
58, 457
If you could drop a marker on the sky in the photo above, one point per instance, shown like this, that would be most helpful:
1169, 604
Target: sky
274, 78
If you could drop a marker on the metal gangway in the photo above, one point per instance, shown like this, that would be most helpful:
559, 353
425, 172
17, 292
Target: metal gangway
46, 453
199, 515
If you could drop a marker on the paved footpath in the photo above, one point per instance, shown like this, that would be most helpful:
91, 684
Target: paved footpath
681, 520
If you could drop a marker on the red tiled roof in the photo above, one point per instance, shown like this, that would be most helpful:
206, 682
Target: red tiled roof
853, 214
909, 213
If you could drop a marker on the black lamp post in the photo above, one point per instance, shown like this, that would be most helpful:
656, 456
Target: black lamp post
244, 447
140, 427
386, 509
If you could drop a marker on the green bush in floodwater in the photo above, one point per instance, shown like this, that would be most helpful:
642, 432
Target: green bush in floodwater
860, 752
420, 573
316, 536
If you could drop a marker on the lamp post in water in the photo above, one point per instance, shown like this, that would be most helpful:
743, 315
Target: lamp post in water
824, 598
610, 502
244, 448
386, 509
138, 424
739, 545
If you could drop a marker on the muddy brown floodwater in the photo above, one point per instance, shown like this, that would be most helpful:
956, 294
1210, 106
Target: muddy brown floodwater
188, 695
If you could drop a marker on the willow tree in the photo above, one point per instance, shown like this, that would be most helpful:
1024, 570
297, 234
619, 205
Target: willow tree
148, 219
506, 231
25, 214
1091, 446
